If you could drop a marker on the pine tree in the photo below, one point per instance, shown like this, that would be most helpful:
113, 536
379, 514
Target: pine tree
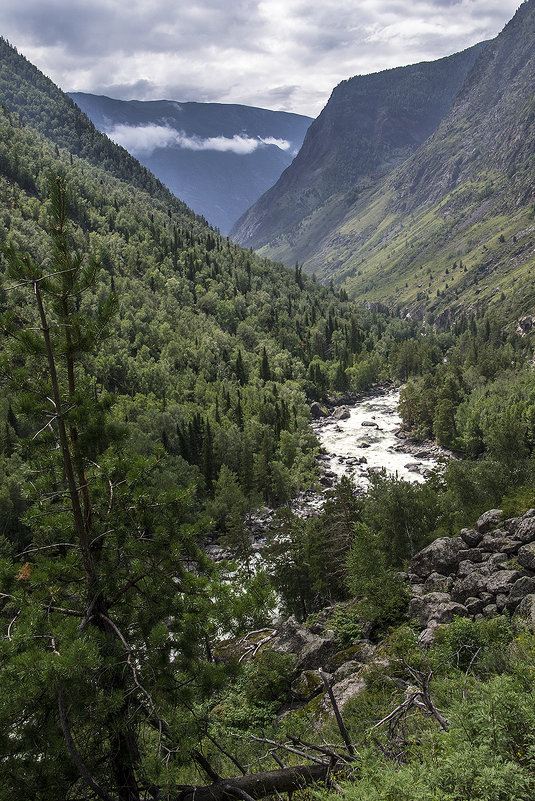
103, 625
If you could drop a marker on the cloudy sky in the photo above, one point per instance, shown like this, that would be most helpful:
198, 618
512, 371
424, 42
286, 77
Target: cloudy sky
278, 54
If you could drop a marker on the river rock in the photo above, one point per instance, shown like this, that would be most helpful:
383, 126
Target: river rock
341, 413
317, 411
369, 424
439, 557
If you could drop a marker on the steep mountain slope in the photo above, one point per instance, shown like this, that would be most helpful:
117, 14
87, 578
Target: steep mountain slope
42, 105
217, 158
370, 124
453, 226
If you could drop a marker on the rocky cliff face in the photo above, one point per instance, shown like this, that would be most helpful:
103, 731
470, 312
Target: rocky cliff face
370, 124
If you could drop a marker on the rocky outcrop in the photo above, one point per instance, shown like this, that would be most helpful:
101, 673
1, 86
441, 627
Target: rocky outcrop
485, 571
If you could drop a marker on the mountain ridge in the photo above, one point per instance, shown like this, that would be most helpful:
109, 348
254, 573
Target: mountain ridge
370, 124
218, 158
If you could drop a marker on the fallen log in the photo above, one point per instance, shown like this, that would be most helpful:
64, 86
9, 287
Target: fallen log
256, 785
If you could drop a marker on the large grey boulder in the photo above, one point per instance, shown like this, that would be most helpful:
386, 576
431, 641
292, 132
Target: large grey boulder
317, 411
311, 650
525, 529
489, 520
435, 607
441, 556
522, 587
502, 581
471, 537
524, 617
526, 556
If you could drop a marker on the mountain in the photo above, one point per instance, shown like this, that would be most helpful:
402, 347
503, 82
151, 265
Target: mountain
452, 227
370, 124
217, 158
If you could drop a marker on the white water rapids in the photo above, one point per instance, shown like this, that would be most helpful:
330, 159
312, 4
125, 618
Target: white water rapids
368, 436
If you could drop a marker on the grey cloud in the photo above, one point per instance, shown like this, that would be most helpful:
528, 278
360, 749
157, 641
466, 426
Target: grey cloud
286, 54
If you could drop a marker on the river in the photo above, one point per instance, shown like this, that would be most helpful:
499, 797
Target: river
367, 441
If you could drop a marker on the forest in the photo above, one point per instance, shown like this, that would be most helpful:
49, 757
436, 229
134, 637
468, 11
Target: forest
155, 391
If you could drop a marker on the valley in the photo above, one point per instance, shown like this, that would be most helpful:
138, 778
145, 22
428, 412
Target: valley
229, 565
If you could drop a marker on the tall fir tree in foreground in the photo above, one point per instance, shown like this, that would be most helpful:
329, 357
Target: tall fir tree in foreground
106, 611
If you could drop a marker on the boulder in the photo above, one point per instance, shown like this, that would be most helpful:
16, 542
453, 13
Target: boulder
525, 531
370, 424
426, 638
489, 520
471, 555
490, 611
522, 587
341, 413
496, 561
317, 411
524, 616
502, 581
471, 537
436, 582
526, 556
311, 650
307, 685
435, 607
475, 605
471, 585
441, 556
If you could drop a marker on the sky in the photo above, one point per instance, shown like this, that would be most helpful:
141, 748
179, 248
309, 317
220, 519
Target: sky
279, 54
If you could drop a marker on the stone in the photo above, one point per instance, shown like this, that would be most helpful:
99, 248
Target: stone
475, 605
524, 616
312, 651
525, 531
496, 561
489, 520
426, 638
502, 581
501, 598
471, 585
307, 685
446, 612
526, 556
436, 582
346, 670
369, 424
341, 413
490, 611
471, 537
522, 587
422, 608
493, 544
317, 411
471, 555
465, 567
441, 556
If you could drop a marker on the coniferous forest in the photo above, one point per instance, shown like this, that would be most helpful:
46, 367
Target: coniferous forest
156, 383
